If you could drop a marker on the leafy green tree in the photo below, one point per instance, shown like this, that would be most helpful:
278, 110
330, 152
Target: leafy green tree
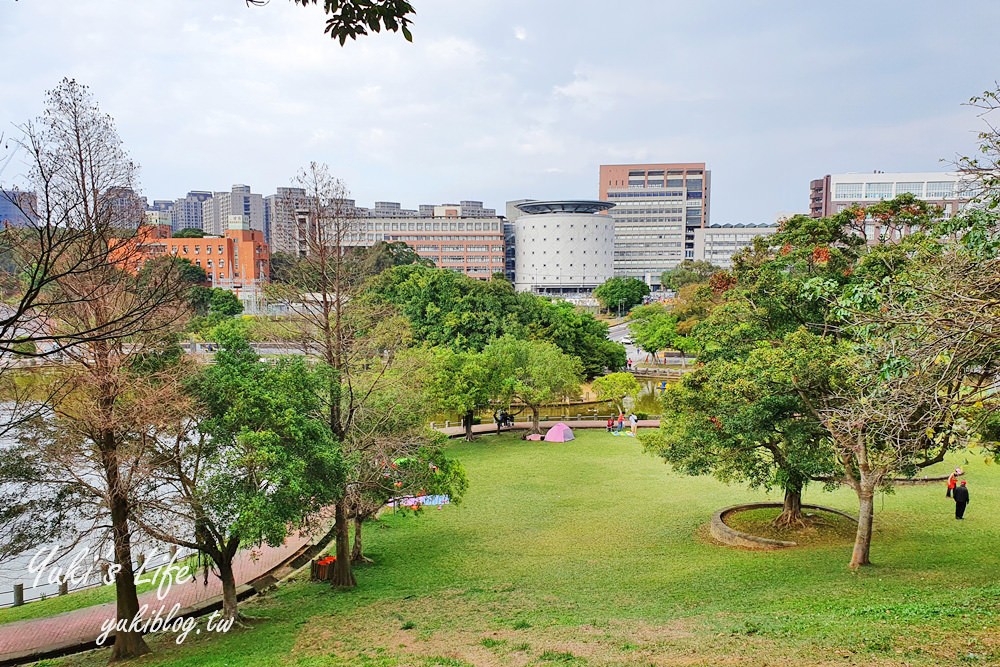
260, 462
225, 303
687, 272
190, 233
449, 309
532, 372
735, 420
654, 328
621, 294
616, 387
387, 254
461, 383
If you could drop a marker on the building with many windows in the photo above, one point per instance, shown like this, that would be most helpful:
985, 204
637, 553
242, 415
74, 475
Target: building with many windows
564, 247
238, 201
835, 192
239, 260
657, 209
717, 244
187, 211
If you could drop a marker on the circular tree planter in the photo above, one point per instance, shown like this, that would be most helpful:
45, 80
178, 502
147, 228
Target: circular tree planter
735, 538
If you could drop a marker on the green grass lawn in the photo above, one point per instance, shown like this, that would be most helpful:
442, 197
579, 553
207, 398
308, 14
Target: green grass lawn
593, 553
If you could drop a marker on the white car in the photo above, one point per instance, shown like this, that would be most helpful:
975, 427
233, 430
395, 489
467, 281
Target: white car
626, 341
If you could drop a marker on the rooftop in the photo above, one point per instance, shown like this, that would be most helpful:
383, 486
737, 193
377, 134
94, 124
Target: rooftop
565, 206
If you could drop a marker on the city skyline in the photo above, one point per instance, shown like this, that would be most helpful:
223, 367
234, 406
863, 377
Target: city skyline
511, 100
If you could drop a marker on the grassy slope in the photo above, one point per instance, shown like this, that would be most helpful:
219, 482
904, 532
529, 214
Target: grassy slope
591, 552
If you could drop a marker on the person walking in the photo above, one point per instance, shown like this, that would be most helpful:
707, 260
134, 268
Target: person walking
630, 364
952, 481
961, 495
633, 422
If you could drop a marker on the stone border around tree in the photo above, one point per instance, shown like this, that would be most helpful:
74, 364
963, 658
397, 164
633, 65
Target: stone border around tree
735, 538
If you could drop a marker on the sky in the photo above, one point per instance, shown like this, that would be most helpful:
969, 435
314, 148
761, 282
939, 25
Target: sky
509, 99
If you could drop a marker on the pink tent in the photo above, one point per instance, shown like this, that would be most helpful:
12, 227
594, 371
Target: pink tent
559, 433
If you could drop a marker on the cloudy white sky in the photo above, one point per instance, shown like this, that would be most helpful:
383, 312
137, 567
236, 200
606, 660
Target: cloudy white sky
507, 99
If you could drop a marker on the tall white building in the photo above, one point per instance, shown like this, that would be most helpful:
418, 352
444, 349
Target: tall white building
187, 211
238, 201
563, 247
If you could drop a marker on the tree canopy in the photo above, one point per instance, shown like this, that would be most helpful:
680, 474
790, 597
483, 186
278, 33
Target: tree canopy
351, 18
687, 272
621, 294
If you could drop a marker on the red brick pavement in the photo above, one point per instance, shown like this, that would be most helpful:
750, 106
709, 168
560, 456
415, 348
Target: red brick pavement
38, 637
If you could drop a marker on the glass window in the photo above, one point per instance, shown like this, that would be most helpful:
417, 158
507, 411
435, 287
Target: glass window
850, 191
940, 189
878, 190
915, 189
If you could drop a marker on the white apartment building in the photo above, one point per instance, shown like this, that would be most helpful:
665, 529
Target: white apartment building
717, 244
238, 201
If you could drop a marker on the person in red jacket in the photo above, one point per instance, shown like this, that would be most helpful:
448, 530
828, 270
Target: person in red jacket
952, 480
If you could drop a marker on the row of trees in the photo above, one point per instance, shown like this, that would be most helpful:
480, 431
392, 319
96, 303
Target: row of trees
122, 433
827, 359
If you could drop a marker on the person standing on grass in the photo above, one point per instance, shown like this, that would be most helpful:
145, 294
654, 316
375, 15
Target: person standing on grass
961, 495
634, 422
621, 422
952, 481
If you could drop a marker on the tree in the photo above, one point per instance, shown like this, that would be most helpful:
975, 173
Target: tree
616, 387
350, 18
735, 420
190, 233
224, 302
395, 454
461, 383
356, 339
621, 293
532, 372
117, 376
687, 272
387, 254
654, 328
260, 462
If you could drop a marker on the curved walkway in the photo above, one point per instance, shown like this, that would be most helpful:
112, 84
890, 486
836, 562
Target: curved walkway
72, 631
486, 429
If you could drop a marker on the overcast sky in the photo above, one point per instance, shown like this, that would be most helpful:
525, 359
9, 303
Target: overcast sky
508, 99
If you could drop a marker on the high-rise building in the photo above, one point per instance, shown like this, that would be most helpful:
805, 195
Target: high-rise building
187, 212
510, 237
17, 208
238, 201
280, 229
657, 208
835, 192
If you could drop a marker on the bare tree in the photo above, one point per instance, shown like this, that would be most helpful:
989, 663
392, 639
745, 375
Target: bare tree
79, 466
357, 341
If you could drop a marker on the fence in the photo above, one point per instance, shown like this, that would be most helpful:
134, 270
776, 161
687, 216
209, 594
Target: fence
46, 589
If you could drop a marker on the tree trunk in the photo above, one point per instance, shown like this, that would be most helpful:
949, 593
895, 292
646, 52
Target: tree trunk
863, 538
127, 644
535, 425
343, 576
791, 513
467, 423
230, 609
357, 553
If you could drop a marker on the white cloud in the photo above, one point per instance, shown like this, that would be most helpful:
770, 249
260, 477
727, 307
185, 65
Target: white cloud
520, 33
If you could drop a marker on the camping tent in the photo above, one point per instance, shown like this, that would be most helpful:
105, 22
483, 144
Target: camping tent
559, 433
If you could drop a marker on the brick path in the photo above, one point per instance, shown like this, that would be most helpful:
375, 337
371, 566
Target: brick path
29, 640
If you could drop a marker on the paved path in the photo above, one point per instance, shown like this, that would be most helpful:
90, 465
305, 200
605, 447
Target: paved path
24, 641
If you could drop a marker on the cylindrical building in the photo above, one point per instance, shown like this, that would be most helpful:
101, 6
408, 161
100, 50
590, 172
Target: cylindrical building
563, 247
